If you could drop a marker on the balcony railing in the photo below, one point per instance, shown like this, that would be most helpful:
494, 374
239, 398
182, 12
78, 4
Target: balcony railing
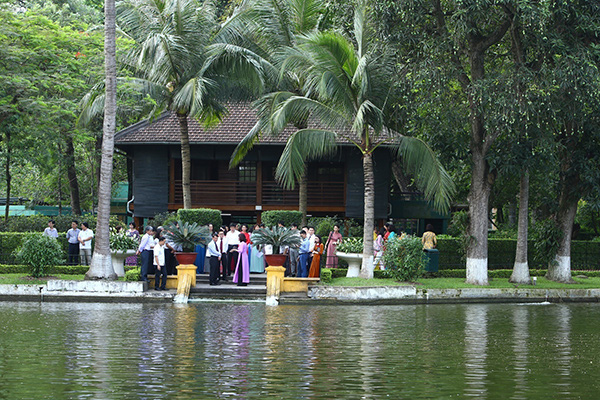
236, 193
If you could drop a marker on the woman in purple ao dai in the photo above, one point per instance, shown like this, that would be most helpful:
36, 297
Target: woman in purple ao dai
242, 269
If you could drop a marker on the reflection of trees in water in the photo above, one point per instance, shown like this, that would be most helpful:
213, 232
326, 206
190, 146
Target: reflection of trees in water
476, 343
520, 342
562, 342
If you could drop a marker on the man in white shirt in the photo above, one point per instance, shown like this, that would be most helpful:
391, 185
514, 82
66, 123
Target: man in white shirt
214, 260
223, 261
159, 263
311, 239
51, 230
85, 243
145, 251
233, 240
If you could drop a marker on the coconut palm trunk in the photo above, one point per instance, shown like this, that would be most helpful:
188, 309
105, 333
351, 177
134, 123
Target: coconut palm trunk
366, 270
520, 272
101, 266
186, 163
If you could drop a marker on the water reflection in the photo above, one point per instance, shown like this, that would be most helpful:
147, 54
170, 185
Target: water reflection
248, 351
476, 343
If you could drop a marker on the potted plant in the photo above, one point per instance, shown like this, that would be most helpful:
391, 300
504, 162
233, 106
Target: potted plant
121, 247
187, 236
350, 250
277, 237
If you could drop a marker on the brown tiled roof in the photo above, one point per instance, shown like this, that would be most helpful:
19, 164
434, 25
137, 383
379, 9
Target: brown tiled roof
165, 129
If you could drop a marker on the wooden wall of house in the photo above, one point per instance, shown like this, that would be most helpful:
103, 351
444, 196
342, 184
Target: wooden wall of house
355, 184
151, 180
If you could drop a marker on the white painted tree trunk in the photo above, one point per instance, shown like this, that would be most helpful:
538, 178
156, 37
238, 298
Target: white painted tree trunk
101, 266
520, 272
477, 251
560, 269
366, 270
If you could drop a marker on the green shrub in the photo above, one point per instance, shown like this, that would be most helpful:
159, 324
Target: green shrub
133, 275
403, 258
338, 272
40, 252
122, 242
163, 219
288, 217
200, 216
546, 236
324, 225
326, 275
351, 245
37, 223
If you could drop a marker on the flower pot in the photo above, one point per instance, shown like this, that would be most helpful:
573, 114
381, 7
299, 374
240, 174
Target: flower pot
186, 258
276, 260
354, 261
118, 260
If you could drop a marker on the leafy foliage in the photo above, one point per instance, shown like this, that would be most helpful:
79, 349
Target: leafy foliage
288, 217
277, 237
122, 242
40, 252
133, 275
187, 235
351, 245
403, 259
546, 236
200, 216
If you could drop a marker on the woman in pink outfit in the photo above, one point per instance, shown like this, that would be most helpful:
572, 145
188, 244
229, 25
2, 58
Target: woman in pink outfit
335, 238
242, 269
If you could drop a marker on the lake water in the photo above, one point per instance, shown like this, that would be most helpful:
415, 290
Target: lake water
249, 351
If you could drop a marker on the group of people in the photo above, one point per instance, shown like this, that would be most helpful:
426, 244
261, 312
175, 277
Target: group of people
80, 242
229, 250
157, 255
387, 232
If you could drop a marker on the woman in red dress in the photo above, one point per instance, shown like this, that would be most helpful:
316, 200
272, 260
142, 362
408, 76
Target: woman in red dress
335, 238
315, 265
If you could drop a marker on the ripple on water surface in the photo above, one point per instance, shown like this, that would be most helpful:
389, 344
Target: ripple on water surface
249, 351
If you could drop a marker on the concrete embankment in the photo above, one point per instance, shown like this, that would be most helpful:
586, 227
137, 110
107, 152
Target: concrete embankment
82, 291
414, 295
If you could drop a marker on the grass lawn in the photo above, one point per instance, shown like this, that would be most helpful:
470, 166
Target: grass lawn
24, 279
459, 283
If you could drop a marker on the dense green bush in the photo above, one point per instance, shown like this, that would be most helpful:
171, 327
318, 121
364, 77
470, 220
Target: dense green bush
546, 236
200, 216
324, 225
288, 217
403, 259
326, 276
37, 223
163, 219
40, 252
133, 275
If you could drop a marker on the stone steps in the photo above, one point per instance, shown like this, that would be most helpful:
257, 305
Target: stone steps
256, 289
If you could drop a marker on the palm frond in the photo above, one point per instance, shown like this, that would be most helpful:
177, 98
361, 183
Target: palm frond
303, 145
430, 176
297, 108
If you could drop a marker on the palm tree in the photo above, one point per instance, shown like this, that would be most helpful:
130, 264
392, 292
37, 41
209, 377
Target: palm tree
257, 35
101, 265
346, 87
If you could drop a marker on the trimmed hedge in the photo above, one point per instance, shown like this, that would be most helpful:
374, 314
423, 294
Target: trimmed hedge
57, 269
501, 253
200, 216
341, 273
272, 217
37, 223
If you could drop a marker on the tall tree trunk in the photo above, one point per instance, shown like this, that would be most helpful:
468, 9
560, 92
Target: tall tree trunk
520, 272
186, 163
303, 197
366, 270
560, 269
7, 176
479, 194
101, 266
72, 175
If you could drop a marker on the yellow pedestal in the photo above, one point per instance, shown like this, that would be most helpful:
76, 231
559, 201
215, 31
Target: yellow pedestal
274, 280
187, 269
